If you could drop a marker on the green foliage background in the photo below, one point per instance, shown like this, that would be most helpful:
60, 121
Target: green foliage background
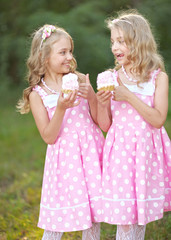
84, 20
22, 151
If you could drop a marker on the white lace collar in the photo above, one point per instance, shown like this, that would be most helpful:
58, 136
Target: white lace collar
51, 100
146, 88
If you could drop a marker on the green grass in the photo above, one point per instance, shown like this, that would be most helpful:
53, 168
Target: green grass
21, 171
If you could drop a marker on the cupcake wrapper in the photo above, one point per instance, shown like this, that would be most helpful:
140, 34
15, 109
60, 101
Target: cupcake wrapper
66, 91
108, 88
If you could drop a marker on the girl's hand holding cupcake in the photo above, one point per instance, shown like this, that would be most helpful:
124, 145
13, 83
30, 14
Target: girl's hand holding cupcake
104, 97
68, 101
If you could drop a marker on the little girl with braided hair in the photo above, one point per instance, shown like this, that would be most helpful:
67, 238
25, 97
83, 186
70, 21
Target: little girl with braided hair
136, 176
71, 190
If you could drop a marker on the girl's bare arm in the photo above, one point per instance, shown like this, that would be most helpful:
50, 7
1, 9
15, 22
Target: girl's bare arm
49, 129
104, 115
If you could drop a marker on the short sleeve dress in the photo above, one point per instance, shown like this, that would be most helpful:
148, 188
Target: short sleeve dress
136, 178
71, 190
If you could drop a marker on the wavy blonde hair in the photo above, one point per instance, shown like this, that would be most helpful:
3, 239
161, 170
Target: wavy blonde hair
36, 62
140, 41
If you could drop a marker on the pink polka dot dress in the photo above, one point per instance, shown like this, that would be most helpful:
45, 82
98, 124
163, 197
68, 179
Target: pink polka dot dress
71, 190
136, 178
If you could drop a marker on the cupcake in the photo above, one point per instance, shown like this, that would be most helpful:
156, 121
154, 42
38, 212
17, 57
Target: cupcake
69, 83
105, 81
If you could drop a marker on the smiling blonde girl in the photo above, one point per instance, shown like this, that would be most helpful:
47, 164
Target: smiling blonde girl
71, 190
137, 153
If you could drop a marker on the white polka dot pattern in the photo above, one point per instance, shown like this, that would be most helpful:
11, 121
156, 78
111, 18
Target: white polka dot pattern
136, 179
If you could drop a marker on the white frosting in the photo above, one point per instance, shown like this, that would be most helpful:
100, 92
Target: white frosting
105, 79
70, 82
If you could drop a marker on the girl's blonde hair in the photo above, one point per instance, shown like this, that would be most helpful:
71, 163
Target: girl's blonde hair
40, 51
140, 41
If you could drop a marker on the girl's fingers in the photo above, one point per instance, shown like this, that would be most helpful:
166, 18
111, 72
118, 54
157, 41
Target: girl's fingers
74, 95
68, 96
70, 100
84, 90
87, 78
104, 94
76, 103
120, 82
99, 93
